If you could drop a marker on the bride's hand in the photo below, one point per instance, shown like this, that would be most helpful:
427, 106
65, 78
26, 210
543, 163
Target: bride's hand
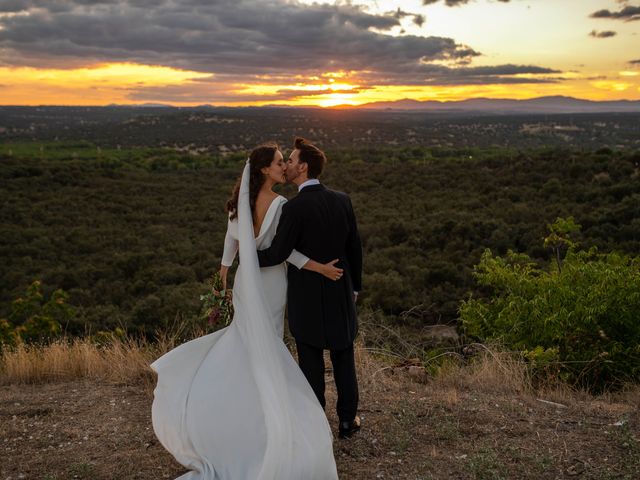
330, 271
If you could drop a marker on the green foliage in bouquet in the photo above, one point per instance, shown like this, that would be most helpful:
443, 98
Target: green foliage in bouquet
34, 318
579, 318
217, 304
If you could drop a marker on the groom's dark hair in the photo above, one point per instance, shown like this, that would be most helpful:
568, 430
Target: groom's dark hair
311, 155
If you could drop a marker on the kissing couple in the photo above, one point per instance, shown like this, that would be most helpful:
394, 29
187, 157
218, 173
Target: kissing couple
234, 404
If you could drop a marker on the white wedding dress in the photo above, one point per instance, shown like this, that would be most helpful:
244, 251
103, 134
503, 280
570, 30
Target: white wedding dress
234, 404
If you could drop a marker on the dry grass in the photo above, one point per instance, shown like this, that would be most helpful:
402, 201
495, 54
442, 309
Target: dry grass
116, 360
119, 360
123, 361
489, 371
126, 361
107, 358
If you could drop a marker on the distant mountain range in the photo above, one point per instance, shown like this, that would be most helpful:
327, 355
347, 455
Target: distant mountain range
554, 104
478, 106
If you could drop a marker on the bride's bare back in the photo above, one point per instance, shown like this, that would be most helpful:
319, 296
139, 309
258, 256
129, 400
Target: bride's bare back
263, 202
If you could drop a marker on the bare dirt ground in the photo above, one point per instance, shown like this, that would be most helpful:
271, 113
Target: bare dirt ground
87, 429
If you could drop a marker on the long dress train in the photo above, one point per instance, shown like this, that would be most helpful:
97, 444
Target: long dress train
234, 405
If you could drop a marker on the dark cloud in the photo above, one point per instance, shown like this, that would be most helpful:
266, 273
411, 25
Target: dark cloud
418, 19
628, 13
454, 3
208, 91
242, 42
440, 75
227, 36
635, 62
605, 34
295, 93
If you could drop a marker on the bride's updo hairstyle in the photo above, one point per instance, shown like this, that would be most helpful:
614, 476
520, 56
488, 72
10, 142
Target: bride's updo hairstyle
260, 157
311, 155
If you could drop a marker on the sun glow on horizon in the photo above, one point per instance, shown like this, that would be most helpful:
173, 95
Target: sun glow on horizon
108, 83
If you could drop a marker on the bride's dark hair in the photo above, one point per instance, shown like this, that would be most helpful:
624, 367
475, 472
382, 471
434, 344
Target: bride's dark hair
260, 157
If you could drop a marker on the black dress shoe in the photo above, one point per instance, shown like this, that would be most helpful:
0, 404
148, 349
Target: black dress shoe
347, 429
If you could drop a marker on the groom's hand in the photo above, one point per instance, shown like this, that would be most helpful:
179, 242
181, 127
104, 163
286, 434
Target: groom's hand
355, 297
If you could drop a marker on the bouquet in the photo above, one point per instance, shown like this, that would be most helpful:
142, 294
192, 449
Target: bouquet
217, 305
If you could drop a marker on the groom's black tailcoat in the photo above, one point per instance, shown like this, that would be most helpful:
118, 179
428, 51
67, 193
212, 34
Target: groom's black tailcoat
319, 223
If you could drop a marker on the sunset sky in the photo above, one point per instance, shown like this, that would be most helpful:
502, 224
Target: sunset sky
238, 52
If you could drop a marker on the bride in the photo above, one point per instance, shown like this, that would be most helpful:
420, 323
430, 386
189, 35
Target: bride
234, 404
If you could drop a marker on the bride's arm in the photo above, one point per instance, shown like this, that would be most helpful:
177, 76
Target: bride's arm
327, 269
298, 259
231, 246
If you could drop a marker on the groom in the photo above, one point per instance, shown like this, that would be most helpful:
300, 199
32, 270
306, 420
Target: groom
320, 223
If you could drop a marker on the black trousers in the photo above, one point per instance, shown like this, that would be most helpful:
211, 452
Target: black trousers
311, 361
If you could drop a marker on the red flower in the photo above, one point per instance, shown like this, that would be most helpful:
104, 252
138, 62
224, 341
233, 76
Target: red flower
214, 316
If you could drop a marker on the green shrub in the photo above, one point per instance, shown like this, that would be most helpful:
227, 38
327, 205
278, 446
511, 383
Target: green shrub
35, 319
7, 333
581, 314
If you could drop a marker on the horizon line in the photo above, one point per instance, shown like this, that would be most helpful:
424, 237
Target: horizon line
317, 107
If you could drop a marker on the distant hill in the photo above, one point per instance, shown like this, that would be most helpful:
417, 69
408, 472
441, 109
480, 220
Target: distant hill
554, 104
140, 105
